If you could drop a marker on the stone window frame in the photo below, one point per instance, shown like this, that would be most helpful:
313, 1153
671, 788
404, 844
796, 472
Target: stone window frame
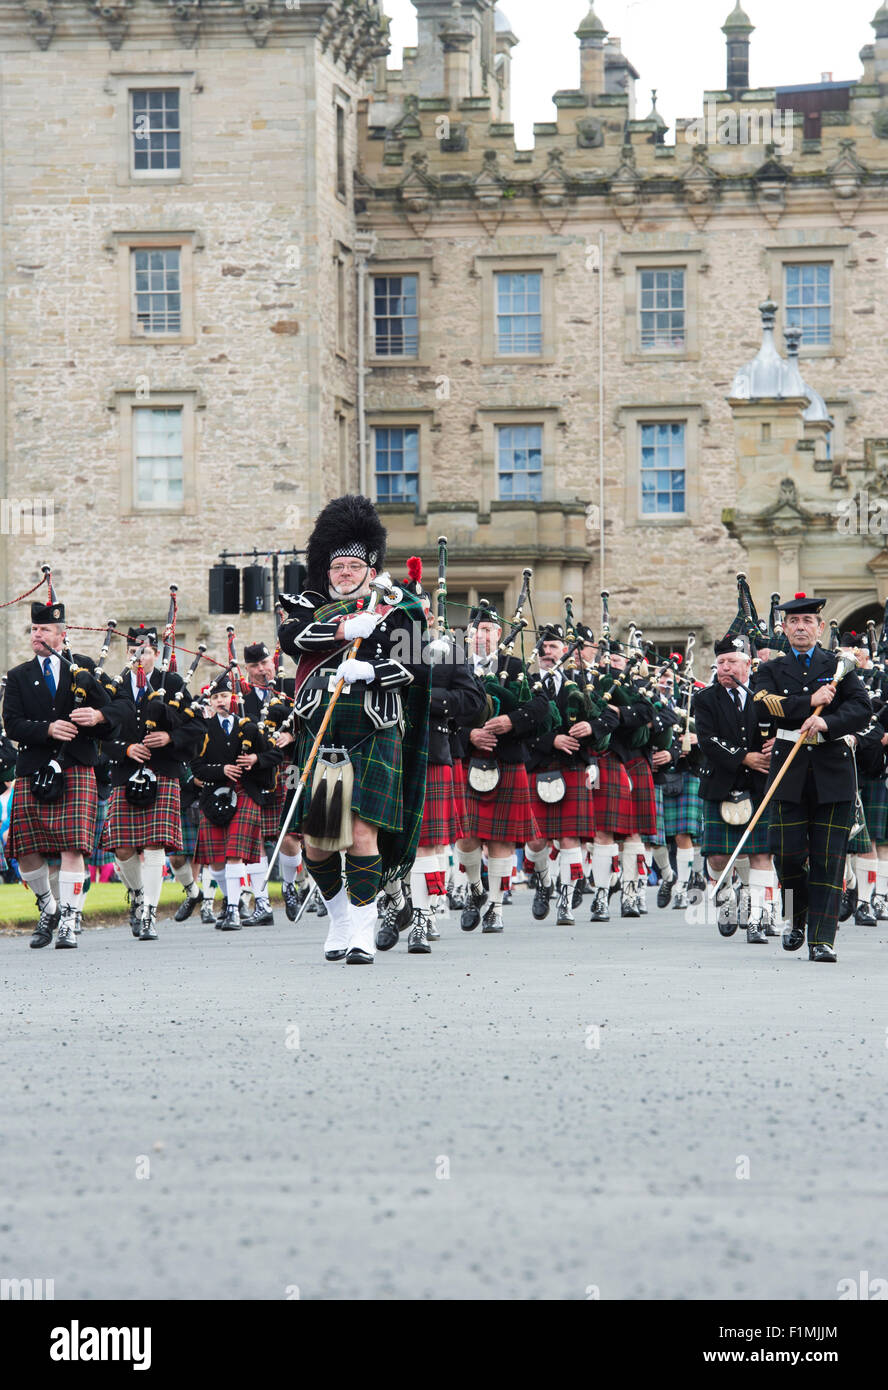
488, 419
344, 416
631, 418
629, 265
124, 400
834, 253
341, 105
121, 245
406, 417
424, 268
341, 257
119, 85
485, 267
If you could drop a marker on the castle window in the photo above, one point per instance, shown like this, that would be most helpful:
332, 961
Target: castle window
157, 290
340, 151
519, 451
396, 453
519, 319
809, 302
158, 457
396, 315
155, 130
662, 309
663, 469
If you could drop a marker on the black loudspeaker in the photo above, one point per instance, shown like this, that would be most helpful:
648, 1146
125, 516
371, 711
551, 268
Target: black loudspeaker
295, 578
255, 588
224, 589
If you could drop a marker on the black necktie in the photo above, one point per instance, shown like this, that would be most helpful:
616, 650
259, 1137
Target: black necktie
735, 696
549, 686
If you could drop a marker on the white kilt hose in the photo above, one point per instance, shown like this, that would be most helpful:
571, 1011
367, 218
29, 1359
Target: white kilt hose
134, 827
40, 827
240, 839
574, 814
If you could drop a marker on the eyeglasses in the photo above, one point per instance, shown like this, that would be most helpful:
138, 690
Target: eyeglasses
356, 568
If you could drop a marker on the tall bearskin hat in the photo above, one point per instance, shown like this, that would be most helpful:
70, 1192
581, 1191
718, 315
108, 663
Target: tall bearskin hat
348, 525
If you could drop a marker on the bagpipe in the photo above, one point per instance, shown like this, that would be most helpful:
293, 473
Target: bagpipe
8, 751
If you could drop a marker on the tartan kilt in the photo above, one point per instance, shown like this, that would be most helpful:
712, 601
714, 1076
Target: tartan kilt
644, 803
721, 838
375, 756
459, 790
612, 798
860, 843
874, 795
659, 799
574, 814
190, 826
134, 827
100, 856
683, 815
504, 815
441, 824
240, 839
38, 827
271, 814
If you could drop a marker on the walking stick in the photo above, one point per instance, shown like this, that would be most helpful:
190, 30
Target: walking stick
846, 664
382, 590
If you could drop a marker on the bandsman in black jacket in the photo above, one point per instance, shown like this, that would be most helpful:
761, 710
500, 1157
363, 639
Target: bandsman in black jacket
813, 807
264, 689
57, 716
156, 739
731, 736
236, 769
498, 810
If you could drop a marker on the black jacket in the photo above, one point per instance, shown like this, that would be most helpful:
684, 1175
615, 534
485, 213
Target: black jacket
457, 701
186, 731
541, 750
724, 738
788, 687
218, 749
29, 709
632, 717
526, 720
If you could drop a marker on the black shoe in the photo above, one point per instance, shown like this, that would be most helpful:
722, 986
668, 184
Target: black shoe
136, 909
471, 913
320, 909
755, 933
259, 917
864, 915
357, 956
185, 909
387, 932
793, 938
417, 941
45, 927
726, 911
231, 919
565, 916
848, 903
576, 896
290, 895
744, 906
822, 952
207, 915
66, 939
334, 955
768, 921
493, 919
542, 897
507, 898
222, 914
600, 911
148, 932
664, 892
629, 906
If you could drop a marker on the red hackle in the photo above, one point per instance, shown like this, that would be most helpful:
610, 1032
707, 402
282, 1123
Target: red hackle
414, 569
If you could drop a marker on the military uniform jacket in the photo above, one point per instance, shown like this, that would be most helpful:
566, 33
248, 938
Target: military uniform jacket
457, 701
783, 687
221, 748
526, 720
632, 717
254, 703
29, 709
724, 737
185, 737
541, 750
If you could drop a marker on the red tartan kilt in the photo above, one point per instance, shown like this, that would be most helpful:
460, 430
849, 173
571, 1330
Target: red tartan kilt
441, 823
134, 827
504, 815
612, 798
38, 827
459, 791
240, 839
644, 798
271, 814
574, 814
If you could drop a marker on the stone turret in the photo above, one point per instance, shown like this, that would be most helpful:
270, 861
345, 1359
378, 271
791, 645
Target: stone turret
737, 29
592, 35
880, 24
506, 40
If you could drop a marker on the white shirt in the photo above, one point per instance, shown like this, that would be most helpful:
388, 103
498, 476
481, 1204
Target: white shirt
557, 678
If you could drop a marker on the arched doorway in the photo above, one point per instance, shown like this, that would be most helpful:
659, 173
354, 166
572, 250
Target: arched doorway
857, 621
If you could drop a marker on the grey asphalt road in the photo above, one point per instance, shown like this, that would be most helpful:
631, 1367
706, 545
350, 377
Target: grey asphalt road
631, 1110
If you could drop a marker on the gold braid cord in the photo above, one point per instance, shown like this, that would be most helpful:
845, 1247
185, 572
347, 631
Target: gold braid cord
773, 703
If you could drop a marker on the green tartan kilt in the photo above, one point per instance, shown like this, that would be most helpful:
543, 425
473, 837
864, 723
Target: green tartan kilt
683, 815
375, 755
874, 795
721, 838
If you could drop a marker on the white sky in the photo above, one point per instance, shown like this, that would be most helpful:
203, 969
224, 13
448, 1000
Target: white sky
676, 46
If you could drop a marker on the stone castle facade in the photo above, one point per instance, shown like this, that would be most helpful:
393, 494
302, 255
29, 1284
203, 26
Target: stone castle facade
247, 266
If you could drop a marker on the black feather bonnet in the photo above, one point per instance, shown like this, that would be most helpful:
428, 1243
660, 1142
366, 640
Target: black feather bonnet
348, 525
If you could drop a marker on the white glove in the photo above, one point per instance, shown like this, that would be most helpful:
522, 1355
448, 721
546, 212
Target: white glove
359, 625
351, 671
592, 776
